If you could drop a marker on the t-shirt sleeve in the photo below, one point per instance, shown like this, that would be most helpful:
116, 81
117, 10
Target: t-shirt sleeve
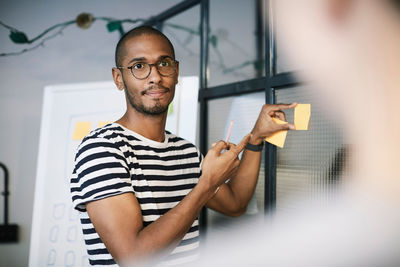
201, 157
100, 171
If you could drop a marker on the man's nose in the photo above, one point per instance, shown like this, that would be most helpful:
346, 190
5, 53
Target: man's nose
154, 76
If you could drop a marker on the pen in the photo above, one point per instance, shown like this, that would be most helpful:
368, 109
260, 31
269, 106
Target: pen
228, 135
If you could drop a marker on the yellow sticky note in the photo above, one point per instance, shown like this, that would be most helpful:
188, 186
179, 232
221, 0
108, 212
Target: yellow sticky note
82, 128
278, 138
302, 114
102, 123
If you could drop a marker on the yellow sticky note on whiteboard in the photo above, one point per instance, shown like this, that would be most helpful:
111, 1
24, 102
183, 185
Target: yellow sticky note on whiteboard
277, 138
82, 128
302, 113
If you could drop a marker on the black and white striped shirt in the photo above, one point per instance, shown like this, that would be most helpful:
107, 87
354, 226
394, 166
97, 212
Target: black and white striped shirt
113, 160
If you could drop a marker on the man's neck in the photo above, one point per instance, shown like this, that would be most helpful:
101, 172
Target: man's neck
151, 127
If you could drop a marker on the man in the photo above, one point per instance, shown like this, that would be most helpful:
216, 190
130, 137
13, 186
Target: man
139, 189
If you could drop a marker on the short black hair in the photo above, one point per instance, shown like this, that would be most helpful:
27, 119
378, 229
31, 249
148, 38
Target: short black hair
138, 31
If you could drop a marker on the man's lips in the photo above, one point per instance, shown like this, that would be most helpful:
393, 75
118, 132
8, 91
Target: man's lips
156, 92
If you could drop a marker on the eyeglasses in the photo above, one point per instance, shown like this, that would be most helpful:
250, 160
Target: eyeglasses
141, 70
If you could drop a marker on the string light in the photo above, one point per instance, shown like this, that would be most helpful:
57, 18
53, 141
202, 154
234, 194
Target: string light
85, 21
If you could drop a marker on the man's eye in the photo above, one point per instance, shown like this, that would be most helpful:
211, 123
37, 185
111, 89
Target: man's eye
138, 66
164, 63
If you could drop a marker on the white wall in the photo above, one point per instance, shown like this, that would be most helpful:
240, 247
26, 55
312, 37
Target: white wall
76, 56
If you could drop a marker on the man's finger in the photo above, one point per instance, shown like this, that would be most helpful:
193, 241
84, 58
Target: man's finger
237, 149
219, 146
280, 115
277, 107
229, 145
286, 126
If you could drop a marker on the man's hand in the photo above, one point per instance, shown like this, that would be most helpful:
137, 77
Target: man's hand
265, 126
218, 166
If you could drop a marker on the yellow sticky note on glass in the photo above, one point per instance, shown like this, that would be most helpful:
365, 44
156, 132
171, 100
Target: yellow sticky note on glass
82, 128
102, 123
277, 138
302, 113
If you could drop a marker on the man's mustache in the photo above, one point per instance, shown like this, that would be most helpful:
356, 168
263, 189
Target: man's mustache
155, 87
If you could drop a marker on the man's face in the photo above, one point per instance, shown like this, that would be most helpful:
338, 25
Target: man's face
152, 95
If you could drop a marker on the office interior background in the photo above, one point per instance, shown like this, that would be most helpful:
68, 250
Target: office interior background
228, 44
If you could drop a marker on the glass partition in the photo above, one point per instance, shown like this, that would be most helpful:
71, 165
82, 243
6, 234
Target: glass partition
244, 111
311, 161
183, 31
282, 64
234, 51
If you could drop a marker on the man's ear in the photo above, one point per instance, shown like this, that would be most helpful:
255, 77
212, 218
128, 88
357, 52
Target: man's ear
117, 76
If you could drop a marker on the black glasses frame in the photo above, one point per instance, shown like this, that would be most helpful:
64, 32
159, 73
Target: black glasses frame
151, 65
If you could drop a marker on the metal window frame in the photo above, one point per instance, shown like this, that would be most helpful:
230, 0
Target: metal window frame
269, 83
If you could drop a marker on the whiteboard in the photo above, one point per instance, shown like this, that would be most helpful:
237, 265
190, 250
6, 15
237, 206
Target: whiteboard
56, 236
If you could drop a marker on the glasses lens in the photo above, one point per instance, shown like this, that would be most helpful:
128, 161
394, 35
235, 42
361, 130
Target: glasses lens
166, 67
140, 70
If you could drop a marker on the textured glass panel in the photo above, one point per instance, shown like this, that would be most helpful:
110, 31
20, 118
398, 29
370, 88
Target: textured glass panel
244, 111
183, 31
233, 42
311, 160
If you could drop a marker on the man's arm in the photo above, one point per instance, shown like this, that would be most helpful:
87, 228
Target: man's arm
232, 198
118, 219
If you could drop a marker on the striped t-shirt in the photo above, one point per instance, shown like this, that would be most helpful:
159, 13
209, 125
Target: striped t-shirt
113, 160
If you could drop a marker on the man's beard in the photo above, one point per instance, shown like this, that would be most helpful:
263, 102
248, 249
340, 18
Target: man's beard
155, 110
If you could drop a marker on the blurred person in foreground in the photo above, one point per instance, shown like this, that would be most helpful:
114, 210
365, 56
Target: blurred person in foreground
349, 50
